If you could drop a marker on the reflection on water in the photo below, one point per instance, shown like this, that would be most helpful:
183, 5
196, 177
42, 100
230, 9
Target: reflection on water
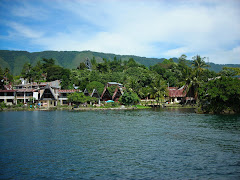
146, 144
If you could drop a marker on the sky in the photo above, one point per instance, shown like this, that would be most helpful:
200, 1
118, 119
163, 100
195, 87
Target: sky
149, 28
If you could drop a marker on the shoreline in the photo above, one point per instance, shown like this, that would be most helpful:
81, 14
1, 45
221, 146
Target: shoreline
70, 108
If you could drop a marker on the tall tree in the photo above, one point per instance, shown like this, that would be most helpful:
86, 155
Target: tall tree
199, 64
158, 89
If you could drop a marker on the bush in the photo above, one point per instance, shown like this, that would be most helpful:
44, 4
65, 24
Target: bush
220, 95
111, 105
3, 105
129, 98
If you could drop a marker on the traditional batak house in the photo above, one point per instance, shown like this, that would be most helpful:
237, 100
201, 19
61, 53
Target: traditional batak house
48, 96
85, 92
117, 93
176, 95
180, 95
106, 95
96, 95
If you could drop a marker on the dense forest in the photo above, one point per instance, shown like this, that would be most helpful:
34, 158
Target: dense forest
14, 60
214, 92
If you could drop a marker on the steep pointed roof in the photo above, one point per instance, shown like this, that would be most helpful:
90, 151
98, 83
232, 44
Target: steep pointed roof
175, 92
95, 94
117, 94
48, 94
106, 95
86, 92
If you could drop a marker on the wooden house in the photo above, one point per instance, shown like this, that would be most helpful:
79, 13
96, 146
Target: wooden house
106, 95
85, 92
117, 94
48, 97
96, 95
180, 95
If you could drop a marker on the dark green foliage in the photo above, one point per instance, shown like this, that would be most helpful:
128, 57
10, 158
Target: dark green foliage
139, 80
220, 95
14, 60
80, 98
111, 89
95, 85
129, 98
82, 66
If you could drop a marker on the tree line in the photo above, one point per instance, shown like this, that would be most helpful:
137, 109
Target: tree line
142, 81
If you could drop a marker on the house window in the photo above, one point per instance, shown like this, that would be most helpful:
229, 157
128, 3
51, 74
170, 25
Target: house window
10, 94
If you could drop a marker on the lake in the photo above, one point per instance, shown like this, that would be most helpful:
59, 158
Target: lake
119, 144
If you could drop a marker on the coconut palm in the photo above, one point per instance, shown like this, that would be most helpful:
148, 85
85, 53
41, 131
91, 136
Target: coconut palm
193, 81
158, 89
199, 64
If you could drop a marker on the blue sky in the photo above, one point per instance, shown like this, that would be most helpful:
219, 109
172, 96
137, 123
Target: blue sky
150, 28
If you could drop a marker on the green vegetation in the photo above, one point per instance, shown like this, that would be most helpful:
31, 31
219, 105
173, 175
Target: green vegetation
14, 60
129, 98
79, 98
220, 95
141, 82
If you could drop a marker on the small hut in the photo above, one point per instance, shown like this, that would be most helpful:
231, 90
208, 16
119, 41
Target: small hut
106, 95
86, 92
96, 95
117, 94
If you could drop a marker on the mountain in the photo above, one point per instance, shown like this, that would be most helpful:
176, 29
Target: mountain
14, 60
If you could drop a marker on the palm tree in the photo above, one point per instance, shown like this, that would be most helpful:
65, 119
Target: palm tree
199, 64
158, 89
193, 81
192, 85
133, 85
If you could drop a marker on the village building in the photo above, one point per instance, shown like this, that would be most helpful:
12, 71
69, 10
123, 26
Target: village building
8, 95
96, 95
117, 94
176, 95
50, 94
106, 95
85, 92
180, 95
63, 95
109, 84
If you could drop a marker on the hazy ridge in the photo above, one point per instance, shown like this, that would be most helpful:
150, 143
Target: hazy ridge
14, 60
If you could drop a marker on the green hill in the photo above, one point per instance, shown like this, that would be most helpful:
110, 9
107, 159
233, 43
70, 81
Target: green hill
14, 60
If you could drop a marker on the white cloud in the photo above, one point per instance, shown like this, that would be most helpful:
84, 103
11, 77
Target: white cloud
225, 56
202, 27
26, 10
24, 31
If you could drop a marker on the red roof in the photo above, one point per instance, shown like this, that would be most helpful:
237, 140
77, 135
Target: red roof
175, 92
7, 90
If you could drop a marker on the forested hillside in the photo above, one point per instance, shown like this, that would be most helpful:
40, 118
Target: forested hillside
14, 60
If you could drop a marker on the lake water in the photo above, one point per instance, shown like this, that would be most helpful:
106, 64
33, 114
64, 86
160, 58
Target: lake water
139, 144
